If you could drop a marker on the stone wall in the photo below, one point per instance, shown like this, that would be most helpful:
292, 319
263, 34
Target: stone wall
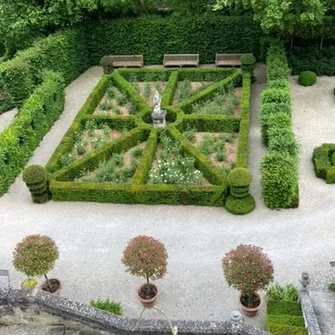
40, 308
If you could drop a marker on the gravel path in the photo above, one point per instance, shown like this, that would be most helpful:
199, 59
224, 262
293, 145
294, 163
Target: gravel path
6, 118
91, 237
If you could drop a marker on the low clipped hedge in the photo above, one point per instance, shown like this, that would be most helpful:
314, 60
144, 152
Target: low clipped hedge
279, 168
19, 140
62, 186
324, 162
64, 52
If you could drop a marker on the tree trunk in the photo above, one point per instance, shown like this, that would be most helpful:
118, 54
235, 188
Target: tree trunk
47, 280
321, 42
291, 46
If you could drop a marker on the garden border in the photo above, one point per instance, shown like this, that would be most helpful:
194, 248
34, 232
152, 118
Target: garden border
322, 158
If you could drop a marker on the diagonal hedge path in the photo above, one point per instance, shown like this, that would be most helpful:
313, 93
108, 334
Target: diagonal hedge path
91, 237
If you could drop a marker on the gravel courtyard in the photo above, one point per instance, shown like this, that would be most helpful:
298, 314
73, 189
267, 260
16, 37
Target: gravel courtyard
91, 237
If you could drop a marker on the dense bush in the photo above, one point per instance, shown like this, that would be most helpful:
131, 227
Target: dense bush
20, 139
279, 168
320, 61
154, 36
35, 177
307, 78
64, 52
239, 177
284, 314
279, 180
323, 161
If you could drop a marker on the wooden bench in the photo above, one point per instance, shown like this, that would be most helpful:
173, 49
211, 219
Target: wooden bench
181, 60
228, 60
127, 61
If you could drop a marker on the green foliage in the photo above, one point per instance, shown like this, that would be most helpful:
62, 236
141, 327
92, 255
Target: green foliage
274, 95
283, 308
307, 78
286, 292
146, 257
282, 140
324, 166
154, 36
29, 284
278, 329
312, 58
19, 140
64, 52
239, 177
107, 306
279, 179
247, 269
35, 255
34, 174
331, 286
240, 206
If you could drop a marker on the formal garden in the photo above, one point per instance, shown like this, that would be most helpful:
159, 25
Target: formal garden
90, 146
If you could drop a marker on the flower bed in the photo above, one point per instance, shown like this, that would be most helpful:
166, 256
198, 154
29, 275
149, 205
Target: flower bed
171, 169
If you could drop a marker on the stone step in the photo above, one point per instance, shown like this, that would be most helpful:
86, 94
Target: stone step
56, 330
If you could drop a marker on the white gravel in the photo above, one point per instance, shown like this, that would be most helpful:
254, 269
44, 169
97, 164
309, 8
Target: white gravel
91, 237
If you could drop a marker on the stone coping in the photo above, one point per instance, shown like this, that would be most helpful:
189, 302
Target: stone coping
76, 311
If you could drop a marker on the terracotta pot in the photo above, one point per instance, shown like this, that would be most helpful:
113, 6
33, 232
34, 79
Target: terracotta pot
148, 303
250, 311
52, 281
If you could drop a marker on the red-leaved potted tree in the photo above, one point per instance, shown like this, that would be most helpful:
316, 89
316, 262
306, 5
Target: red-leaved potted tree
248, 270
35, 256
146, 257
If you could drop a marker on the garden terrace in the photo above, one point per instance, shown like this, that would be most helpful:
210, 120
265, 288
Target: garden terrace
111, 153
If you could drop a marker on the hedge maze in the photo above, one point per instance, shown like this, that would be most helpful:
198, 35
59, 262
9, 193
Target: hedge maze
111, 153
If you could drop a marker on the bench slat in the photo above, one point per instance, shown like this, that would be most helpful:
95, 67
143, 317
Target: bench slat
181, 59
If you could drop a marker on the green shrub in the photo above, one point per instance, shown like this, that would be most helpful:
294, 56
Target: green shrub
307, 78
279, 84
154, 36
37, 115
288, 320
107, 306
239, 177
276, 95
331, 286
240, 206
282, 140
279, 180
323, 162
278, 121
34, 174
283, 308
287, 293
248, 62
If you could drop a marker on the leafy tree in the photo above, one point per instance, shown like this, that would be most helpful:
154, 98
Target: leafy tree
35, 256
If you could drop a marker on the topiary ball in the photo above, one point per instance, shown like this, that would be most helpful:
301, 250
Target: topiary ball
34, 174
307, 78
239, 177
247, 59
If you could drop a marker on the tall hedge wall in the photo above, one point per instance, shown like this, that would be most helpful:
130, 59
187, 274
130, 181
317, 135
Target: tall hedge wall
153, 36
19, 140
64, 52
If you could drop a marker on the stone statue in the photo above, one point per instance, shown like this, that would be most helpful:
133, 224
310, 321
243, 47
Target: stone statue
236, 322
158, 115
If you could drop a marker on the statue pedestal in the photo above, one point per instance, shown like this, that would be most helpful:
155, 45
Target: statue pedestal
158, 119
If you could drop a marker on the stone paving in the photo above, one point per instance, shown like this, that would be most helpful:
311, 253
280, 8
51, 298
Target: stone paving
6, 118
91, 237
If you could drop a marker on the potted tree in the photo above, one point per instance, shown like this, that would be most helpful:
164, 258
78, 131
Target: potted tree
248, 270
35, 256
146, 257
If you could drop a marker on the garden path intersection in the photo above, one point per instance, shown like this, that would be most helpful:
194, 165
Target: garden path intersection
91, 237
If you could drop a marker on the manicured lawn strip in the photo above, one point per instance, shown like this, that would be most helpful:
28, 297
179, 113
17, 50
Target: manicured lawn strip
92, 159
66, 144
243, 138
207, 93
22, 136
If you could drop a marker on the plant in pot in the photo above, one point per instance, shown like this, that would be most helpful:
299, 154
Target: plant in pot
35, 256
146, 257
248, 270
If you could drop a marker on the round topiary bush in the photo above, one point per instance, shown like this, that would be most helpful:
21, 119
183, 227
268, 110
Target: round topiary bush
239, 177
307, 78
240, 206
34, 174
107, 63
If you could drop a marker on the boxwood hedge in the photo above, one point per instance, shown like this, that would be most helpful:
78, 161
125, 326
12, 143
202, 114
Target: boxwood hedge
323, 161
63, 188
